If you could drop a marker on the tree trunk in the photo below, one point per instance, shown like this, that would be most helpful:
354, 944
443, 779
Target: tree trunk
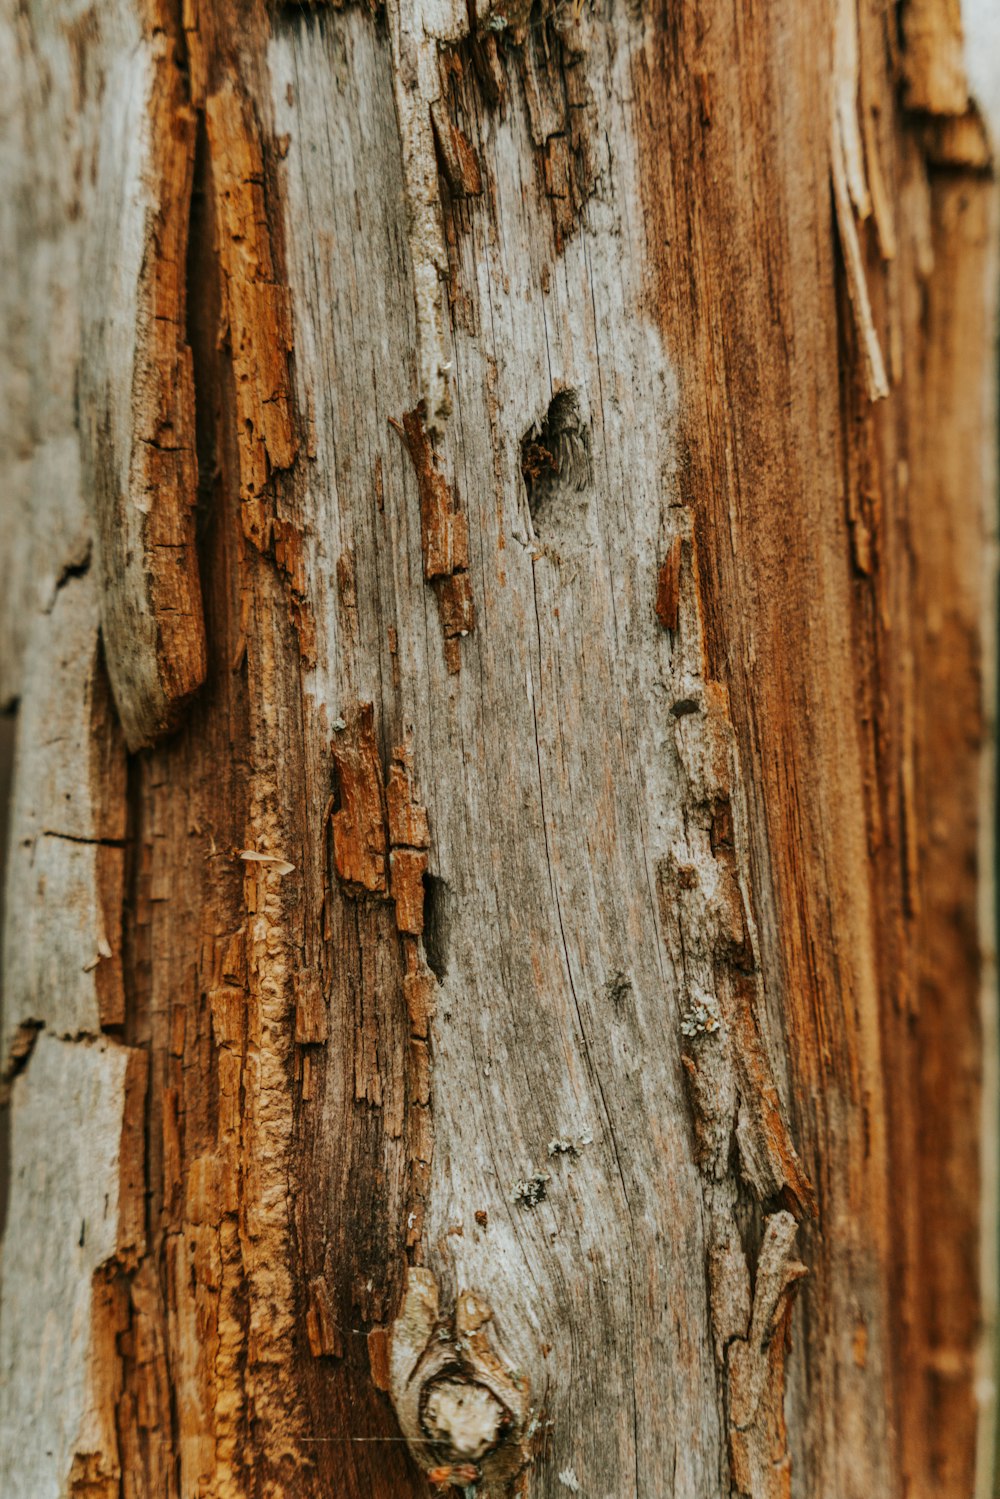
498, 516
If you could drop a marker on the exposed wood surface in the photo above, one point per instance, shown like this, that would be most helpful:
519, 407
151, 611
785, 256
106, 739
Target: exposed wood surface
136, 384
66, 864
69, 1220
498, 552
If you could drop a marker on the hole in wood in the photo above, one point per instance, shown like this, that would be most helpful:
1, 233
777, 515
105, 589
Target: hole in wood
555, 462
437, 923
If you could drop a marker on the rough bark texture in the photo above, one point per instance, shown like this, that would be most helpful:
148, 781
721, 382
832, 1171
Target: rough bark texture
498, 541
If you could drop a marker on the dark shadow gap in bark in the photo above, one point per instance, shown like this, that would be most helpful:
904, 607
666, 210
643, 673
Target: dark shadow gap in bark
437, 923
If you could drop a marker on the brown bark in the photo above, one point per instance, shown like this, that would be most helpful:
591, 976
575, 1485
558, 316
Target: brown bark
501, 560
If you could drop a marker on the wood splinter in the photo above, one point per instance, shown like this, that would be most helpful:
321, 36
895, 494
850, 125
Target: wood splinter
444, 536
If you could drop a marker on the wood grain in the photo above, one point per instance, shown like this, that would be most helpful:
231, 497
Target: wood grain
493, 893
137, 389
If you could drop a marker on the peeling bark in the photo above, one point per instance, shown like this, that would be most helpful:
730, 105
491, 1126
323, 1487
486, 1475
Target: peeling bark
137, 402
256, 319
499, 534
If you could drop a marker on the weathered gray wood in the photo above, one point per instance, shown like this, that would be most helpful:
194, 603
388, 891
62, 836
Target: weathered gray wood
137, 419
65, 867
566, 789
73, 1167
47, 530
540, 882
67, 1222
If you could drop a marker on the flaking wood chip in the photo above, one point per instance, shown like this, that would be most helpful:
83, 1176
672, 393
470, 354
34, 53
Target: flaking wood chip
281, 864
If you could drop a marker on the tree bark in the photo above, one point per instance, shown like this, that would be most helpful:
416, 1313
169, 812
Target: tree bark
498, 601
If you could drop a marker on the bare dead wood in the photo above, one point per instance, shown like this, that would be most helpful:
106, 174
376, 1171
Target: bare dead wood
560, 1074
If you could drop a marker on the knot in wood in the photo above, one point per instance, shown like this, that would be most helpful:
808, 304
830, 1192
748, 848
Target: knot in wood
465, 1419
458, 1398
